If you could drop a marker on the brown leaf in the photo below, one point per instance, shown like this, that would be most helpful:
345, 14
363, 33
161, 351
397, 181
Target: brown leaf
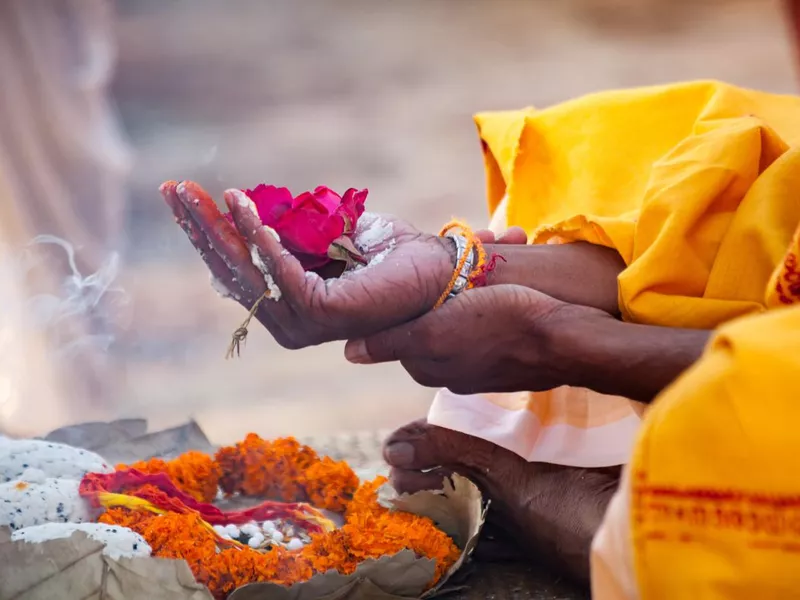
76, 568
397, 577
457, 509
96, 434
166, 444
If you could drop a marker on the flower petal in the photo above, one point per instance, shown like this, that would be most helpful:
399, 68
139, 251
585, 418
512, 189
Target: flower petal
271, 202
309, 233
352, 207
309, 202
328, 198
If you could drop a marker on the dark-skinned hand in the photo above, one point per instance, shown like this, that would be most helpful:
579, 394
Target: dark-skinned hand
492, 339
312, 310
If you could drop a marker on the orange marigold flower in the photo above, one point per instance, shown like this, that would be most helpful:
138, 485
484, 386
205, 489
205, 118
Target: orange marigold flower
257, 467
330, 484
195, 473
284, 470
365, 500
330, 552
124, 517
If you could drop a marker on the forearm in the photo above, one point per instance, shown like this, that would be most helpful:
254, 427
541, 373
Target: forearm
577, 273
624, 359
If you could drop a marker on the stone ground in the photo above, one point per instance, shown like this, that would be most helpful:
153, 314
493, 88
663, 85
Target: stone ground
356, 93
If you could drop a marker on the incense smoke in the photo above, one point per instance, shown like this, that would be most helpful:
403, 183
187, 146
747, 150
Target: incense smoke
70, 325
80, 297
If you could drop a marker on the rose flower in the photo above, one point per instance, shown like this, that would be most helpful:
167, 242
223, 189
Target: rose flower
316, 227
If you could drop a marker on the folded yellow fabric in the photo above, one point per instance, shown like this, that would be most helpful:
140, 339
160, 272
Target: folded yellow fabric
694, 184
709, 507
697, 185
715, 508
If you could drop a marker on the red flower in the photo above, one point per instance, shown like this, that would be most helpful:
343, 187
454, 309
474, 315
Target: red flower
315, 226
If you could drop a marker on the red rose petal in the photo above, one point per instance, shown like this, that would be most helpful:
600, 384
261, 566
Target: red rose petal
328, 198
271, 202
308, 223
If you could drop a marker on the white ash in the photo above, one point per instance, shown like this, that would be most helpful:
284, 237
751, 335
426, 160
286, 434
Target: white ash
53, 459
372, 231
373, 261
119, 542
378, 258
273, 232
258, 262
24, 504
244, 201
221, 289
312, 276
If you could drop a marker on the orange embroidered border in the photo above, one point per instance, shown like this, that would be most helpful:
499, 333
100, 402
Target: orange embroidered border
687, 515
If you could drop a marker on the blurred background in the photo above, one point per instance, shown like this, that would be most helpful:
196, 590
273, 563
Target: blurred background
102, 101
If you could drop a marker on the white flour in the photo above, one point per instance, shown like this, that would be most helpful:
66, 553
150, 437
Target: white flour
372, 231
221, 289
245, 202
274, 290
380, 256
119, 541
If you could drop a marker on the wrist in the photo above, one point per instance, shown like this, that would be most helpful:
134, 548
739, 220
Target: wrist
564, 346
441, 268
626, 359
575, 273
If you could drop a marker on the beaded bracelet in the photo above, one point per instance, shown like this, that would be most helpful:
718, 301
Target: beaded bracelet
471, 266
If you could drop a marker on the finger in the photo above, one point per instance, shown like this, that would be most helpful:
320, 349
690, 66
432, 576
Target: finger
425, 339
409, 482
222, 237
513, 235
286, 271
485, 236
219, 269
390, 345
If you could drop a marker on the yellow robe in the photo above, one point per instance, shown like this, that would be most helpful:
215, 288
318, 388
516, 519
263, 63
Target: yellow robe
697, 185
709, 506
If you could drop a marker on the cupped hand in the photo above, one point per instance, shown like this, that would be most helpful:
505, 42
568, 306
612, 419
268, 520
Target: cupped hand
492, 339
407, 272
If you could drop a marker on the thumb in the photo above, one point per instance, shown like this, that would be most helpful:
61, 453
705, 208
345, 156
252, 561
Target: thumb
387, 346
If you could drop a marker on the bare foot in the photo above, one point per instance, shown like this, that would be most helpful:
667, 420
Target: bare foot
550, 511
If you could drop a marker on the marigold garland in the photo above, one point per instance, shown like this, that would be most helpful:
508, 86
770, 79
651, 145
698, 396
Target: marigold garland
195, 473
272, 469
286, 470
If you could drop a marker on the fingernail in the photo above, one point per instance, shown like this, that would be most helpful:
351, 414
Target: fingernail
355, 351
400, 454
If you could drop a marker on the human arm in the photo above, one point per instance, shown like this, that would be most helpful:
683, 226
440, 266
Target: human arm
626, 359
508, 338
246, 259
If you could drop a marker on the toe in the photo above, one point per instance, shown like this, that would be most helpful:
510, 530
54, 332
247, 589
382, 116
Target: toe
408, 482
420, 445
